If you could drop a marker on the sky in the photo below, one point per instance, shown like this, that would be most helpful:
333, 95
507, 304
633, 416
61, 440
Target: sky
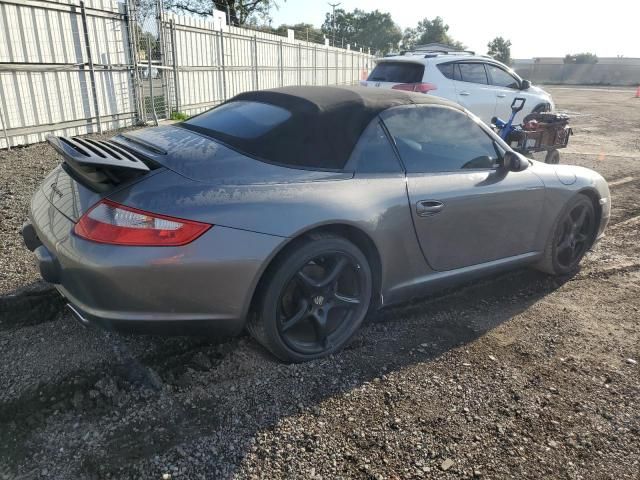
536, 28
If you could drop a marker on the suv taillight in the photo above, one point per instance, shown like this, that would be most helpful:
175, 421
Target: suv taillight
115, 224
420, 87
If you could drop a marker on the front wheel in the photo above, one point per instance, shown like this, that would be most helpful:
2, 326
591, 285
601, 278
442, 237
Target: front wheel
315, 299
573, 235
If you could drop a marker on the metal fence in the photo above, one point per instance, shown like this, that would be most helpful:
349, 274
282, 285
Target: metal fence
69, 67
581, 74
63, 68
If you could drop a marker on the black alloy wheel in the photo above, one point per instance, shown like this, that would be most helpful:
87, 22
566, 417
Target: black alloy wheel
318, 304
575, 235
315, 300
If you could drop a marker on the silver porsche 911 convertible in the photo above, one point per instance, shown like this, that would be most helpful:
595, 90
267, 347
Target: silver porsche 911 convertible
294, 211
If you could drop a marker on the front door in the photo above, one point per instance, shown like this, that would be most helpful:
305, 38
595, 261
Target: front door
466, 210
505, 87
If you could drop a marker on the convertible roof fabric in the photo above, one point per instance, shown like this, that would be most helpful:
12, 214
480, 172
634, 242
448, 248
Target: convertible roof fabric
325, 122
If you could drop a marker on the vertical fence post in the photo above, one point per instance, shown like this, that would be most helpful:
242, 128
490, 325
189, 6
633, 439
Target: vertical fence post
174, 58
4, 129
153, 104
351, 75
299, 64
162, 50
255, 62
92, 73
280, 64
216, 49
224, 73
133, 56
326, 64
315, 65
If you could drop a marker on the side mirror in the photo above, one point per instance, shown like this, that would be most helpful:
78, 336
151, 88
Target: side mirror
514, 162
525, 85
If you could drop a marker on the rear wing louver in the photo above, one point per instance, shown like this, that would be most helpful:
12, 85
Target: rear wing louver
99, 165
96, 152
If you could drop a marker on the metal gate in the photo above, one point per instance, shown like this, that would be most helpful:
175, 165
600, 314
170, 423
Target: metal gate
152, 46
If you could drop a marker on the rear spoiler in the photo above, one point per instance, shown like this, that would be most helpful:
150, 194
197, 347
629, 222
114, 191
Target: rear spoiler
99, 165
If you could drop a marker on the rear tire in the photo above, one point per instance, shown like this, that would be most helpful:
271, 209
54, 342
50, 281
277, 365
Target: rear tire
573, 234
314, 300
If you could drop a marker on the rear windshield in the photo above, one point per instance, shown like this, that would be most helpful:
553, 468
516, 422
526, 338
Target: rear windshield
240, 119
397, 72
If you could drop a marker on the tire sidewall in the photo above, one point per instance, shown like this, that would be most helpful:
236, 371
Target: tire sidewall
286, 269
557, 267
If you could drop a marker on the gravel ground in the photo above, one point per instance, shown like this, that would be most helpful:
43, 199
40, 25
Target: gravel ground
516, 376
21, 171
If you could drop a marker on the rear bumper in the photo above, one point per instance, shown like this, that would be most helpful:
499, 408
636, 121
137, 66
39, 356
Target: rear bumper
157, 325
206, 285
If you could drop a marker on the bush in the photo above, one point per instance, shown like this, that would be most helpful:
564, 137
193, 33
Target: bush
180, 116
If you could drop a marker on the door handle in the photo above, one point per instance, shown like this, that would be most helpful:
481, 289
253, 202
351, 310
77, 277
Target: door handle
502, 95
465, 93
425, 208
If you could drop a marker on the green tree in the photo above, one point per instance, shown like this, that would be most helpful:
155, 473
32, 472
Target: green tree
240, 12
345, 26
500, 49
581, 58
429, 31
375, 30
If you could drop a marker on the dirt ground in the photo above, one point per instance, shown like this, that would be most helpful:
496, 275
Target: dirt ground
517, 376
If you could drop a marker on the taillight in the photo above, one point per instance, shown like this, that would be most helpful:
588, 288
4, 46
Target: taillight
110, 222
421, 87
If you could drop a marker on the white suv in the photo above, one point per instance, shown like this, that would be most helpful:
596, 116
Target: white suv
482, 85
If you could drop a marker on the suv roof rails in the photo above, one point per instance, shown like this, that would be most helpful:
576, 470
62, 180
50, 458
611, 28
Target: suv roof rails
435, 53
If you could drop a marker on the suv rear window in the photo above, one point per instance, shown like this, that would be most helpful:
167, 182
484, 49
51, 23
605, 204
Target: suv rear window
240, 119
397, 72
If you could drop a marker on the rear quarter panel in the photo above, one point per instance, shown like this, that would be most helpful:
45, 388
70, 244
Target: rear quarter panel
375, 204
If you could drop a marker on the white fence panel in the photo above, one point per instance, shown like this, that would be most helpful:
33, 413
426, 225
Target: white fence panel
215, 64
47, 85
45, 80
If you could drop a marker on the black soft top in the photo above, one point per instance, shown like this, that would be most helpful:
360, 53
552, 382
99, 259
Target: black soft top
325, 122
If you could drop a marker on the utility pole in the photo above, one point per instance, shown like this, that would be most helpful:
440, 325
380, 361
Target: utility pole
333, 20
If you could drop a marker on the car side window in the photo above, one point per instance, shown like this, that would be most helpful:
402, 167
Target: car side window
501, 78
374, 153
434, 138
446, 69
473, 73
